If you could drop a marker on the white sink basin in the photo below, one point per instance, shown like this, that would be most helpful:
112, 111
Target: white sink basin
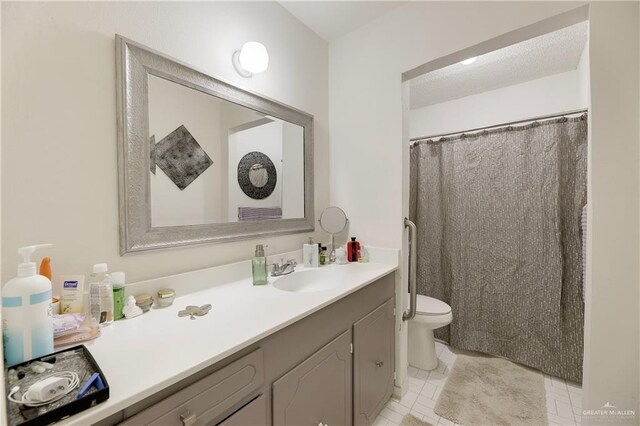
309, 280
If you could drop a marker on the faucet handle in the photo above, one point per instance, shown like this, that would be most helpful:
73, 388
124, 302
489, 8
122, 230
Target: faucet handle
277, 266
292, 262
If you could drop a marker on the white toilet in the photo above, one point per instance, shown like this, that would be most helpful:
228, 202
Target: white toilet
430, 314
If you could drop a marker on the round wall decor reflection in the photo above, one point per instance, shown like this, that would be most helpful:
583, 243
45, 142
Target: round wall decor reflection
257, 175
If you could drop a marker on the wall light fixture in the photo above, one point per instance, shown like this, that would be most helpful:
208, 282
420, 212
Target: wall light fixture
252, 58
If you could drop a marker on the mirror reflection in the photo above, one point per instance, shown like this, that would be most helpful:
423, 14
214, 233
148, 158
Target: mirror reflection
214, 161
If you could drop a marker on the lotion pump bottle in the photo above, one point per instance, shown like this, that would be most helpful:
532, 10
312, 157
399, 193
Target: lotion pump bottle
27, 312
259, 266
310, 254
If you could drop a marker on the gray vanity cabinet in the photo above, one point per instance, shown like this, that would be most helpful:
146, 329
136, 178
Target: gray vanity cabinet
373, 356
318, 391
332, 367
252, 414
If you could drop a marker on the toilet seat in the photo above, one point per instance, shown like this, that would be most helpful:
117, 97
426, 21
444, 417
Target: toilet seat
429, 306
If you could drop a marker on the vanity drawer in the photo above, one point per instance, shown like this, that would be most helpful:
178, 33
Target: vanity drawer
252, 414
210, 398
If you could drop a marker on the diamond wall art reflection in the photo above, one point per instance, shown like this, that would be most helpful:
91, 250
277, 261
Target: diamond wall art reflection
179, 156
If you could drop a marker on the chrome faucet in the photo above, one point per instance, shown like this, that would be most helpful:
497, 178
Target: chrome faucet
284, 268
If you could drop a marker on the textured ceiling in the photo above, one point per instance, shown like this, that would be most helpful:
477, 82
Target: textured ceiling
332, 19
535, 58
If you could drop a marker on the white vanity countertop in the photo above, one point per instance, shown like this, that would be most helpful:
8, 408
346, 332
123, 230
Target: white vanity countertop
144, 355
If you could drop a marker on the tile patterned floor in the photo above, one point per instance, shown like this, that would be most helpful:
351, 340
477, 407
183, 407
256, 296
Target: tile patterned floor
563, 398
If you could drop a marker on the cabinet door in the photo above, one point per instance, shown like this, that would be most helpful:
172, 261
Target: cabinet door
318, 391
374, 356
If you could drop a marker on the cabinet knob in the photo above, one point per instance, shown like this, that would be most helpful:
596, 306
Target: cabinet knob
379, 363
188, 419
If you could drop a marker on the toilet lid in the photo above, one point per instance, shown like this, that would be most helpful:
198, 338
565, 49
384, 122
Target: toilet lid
430, 306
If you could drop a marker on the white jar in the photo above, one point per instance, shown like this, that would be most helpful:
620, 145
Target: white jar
341, 256
165, 297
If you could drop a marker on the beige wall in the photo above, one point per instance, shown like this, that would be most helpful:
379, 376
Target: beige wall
365, 69
612, 372
59, 114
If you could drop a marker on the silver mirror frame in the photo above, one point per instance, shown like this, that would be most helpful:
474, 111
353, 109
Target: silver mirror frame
133, 63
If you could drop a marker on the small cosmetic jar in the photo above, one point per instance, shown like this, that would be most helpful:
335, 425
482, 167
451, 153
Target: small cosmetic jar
165, 297
144, 301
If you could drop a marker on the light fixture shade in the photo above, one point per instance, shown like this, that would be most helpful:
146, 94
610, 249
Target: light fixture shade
254, 57
469, 61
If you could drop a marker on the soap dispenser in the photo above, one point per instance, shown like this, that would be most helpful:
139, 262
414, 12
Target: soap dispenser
259, 266
27, 312
310, 254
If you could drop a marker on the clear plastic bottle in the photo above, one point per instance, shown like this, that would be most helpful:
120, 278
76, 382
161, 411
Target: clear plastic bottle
364, 255
101, 295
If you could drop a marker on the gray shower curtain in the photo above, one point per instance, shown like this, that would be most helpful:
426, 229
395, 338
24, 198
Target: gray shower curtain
498, 218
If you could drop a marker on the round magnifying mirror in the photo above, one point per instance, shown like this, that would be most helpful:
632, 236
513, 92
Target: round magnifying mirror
333, 220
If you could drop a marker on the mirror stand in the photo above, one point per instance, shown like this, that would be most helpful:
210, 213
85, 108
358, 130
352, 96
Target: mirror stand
332, 254
333, 220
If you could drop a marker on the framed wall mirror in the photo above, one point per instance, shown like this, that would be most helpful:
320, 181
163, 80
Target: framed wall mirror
203, 161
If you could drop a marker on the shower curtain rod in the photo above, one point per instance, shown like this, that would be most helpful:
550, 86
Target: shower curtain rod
414, 141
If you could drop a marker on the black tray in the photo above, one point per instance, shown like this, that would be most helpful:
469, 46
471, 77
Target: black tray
68, 405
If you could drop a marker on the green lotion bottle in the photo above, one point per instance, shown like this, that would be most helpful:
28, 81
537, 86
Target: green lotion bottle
259, 266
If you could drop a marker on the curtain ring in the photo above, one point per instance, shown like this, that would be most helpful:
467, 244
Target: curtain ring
463, 135
509, 128
564, 119
535, 124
